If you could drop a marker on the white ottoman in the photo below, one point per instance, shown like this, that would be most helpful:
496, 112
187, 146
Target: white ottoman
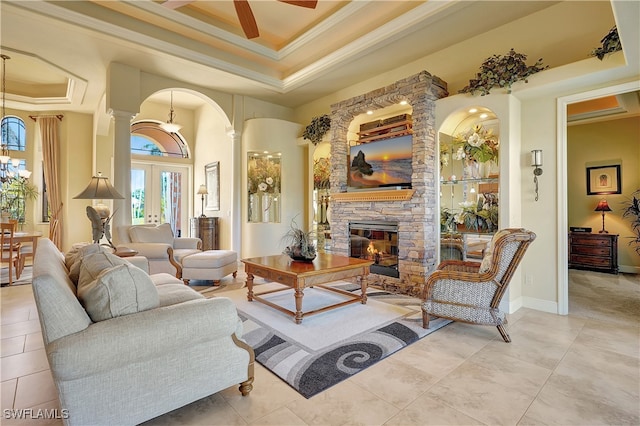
209, 265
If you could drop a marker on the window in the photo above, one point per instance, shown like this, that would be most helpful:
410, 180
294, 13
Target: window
148, 138
13, 133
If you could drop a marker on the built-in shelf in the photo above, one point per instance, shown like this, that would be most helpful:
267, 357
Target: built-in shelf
363, 196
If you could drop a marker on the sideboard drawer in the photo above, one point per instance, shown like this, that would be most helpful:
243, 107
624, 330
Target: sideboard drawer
591, 251
592, 242
600, 262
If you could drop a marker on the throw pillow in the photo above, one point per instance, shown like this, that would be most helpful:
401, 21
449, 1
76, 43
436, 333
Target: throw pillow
487, 260
73, 258
110, 287
151, 234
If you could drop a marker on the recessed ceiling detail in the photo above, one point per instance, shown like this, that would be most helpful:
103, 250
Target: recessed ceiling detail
34, 83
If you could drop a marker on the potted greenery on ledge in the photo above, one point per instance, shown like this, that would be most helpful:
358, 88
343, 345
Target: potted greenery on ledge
315, 131
502, 71
609, 44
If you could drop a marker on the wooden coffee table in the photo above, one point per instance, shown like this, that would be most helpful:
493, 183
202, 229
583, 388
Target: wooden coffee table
325, 268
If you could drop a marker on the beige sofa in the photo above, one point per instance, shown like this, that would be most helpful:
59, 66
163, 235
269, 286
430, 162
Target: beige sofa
124, 346
157, 243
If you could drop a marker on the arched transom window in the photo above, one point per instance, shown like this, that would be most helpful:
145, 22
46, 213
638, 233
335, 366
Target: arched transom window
148, 138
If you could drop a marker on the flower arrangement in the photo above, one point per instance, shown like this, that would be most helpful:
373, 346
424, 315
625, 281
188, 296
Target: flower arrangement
317, 129
478, 144
502, 71
481, 216
610, 43
263, 175
321, 173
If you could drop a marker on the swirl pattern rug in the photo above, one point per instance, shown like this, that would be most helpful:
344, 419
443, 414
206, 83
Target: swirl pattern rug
331, 346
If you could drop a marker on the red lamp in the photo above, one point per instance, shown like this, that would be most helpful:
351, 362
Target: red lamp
603, 207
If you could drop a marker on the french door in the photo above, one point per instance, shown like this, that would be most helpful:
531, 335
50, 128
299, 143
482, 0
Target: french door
159, 194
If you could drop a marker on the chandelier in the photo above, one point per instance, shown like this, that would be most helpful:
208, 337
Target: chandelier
9, 168
170, 126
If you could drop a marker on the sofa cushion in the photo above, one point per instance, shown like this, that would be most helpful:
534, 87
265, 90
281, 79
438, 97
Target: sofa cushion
110, 287
172, 294
151, 234
487, 260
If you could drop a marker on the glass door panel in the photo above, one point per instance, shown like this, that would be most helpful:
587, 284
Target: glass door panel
159, 195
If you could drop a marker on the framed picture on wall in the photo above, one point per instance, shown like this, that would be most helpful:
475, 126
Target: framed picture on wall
212, 174
603, 180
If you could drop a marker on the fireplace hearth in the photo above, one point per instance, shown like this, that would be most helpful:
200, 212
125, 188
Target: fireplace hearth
377, 241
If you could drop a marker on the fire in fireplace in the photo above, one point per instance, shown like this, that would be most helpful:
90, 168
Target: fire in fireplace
377, 241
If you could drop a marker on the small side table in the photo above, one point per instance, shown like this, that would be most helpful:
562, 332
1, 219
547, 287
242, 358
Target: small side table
125, 252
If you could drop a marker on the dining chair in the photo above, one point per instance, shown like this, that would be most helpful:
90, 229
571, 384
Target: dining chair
10, 250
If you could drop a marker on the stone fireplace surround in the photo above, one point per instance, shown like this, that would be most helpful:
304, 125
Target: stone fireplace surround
415, 210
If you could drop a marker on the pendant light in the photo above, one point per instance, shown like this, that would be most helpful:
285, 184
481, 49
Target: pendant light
170, 126
9, 168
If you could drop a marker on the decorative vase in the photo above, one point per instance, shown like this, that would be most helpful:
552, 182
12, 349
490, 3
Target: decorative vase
254, 207
485, 169
472, 169
268, 208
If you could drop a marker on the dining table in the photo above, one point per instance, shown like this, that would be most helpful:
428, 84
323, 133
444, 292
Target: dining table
27, 237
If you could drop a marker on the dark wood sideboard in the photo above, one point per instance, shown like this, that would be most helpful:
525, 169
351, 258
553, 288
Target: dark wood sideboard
593, 252
207, 229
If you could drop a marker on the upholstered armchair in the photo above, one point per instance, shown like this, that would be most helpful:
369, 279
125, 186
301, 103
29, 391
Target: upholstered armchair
158, 245
471, 291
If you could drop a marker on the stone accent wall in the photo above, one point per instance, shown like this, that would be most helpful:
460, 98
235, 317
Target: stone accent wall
417, 218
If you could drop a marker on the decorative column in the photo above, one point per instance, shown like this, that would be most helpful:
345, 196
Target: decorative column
237, 191
122, 167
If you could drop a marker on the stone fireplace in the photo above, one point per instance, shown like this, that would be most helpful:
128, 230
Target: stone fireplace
378, 241
414, 211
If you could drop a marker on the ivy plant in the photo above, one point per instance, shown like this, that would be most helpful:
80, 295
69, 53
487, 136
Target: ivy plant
610, 43
502, 71
317, 129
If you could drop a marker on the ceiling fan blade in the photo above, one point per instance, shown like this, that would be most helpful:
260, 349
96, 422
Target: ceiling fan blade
174, 4
247, 21
311, 4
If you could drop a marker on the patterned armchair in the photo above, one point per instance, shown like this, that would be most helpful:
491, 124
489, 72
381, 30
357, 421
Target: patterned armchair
471, 291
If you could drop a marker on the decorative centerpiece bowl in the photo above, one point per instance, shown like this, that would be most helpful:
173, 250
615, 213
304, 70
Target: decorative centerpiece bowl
300, 245
296, 253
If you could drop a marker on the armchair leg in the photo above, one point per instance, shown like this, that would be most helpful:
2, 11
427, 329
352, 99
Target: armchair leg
504, 334
425, 319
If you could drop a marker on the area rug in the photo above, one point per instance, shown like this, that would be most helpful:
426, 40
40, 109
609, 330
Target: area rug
331, 346
25, 277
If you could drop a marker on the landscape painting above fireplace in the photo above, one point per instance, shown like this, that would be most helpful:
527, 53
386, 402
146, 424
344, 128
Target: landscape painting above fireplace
382, 163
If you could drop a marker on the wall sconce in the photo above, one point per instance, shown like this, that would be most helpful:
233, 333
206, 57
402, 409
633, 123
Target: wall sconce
536, 162
603, 206
202, 191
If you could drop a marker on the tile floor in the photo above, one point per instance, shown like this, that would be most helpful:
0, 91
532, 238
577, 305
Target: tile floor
579, 369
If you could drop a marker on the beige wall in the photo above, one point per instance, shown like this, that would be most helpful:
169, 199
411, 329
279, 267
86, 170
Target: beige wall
261, 239
605, 143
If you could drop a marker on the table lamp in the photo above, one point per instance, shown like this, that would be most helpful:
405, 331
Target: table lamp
603, 206
99, 188
202, 191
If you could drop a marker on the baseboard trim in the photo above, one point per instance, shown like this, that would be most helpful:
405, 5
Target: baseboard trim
629, 269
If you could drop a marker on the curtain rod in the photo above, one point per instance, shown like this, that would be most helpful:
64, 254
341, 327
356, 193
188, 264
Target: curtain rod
58, 116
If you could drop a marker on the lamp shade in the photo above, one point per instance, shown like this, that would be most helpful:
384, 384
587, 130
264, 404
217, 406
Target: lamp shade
603, 206
99, 189
202, 190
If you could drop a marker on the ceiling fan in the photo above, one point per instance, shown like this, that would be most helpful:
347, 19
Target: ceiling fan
243, 10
